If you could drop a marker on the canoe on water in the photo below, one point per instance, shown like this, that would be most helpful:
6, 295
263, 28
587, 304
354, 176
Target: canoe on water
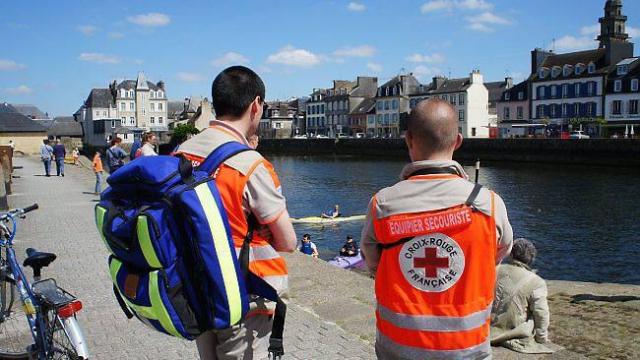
348, 262
321, 220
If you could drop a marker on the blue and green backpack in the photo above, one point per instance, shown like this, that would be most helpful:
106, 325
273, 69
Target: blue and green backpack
173, 262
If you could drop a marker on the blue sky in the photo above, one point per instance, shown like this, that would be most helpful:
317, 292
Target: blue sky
53, 53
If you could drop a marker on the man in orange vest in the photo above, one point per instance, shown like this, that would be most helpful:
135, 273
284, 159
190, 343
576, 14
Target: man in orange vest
433, 241
249, 187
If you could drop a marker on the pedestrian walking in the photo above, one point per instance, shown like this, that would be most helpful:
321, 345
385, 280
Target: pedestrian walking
250, 189
76, 156
59, 153
149, 141
46, 153
115, 155
98, 170
433, 241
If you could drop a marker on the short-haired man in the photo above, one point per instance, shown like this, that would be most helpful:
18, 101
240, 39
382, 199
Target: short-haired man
248, 186
520, 315
433, 241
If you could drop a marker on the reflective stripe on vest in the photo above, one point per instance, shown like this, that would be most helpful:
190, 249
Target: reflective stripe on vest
410, 352
435, 281
435, 323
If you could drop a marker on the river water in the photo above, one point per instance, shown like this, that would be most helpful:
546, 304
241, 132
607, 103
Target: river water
584, 221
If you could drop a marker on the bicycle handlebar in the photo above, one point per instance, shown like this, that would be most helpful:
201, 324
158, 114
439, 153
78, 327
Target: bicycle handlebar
30, 208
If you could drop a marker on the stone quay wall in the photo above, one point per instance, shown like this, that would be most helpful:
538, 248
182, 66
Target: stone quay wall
614, 152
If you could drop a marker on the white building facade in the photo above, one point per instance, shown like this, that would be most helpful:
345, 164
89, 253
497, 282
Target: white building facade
621, 109
316, 119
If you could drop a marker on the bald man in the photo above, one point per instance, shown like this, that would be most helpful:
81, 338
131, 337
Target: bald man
432, 242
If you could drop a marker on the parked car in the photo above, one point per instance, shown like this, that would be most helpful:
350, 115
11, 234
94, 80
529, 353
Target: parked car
578, 135
343, 136
320, 136
300, 137
359, 135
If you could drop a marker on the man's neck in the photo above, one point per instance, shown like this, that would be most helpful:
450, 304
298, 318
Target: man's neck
239, 124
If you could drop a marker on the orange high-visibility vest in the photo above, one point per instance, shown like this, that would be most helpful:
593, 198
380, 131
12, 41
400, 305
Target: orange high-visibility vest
435, 282
264, 260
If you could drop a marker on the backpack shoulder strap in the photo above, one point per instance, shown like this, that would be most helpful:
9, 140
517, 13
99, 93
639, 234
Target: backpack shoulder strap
221, 154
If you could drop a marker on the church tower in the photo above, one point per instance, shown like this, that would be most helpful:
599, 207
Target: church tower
613, 36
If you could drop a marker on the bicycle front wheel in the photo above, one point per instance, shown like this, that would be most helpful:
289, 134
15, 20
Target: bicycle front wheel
15, 335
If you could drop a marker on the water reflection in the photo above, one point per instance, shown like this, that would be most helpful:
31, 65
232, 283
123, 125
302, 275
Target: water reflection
584, 220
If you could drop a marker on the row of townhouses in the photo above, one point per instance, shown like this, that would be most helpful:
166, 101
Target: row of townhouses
594, 90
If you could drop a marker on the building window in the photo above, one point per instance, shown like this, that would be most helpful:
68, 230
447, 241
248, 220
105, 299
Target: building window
126, 136
386, 104
542, 73
634, 85
132, 121
386, 119
565, 110
521, 95
541, 92
554, 92
623, 70
394, 104
461, 99
160, 120
552, 109
576, 109
633, 107
278, 125
591, 91
507, 113
122, 93
113, 124
160, 94
123, 121
566, 71
453, 99
520, 112
507, 96
591, 68
473, 131
394, 118
617, 86
576, 90
565, 90
152, 94
616, 108
153, 106
445, 97
461, 115
132, 106
152, 120
123, 106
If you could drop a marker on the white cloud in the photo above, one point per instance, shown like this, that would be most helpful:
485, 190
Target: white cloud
230, 58
115, 35
150, 19
291, 56
570, 43
376, 68
354, 6
99, 58
88, 30
189, 77
10, 65
633, 32
482, 21
20, 90
437, 5
355, 51
419, 58
590, 30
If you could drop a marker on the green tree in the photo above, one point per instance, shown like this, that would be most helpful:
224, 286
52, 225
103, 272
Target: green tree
183, 132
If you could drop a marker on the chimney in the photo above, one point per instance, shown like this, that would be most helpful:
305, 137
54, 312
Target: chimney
438, 81
476, 77
537, 57
509, 82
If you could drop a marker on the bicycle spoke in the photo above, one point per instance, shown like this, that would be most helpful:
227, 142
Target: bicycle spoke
15, 335
59, 344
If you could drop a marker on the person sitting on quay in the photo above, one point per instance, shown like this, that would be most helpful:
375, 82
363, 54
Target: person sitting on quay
349, 248
520, 314
332, 214
308, 247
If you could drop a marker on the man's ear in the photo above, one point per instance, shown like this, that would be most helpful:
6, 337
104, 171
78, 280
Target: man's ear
459, 140
408, 139
253, 108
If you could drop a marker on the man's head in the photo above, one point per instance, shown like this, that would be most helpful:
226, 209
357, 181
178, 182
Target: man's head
149, 137
523, 251
349, 238
432, 131
238, 94
306, 237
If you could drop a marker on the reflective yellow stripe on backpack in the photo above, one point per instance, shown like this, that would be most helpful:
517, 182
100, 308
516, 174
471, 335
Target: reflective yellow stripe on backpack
142, 229
156, 311
223, 251
100, 214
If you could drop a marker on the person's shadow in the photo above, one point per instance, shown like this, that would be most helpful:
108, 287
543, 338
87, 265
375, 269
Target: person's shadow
615, 298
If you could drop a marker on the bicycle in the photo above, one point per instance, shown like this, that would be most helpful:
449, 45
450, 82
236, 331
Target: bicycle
51, 331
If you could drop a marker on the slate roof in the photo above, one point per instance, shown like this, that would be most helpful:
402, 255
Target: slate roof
496, 89
514, 91
412, 84
99, 98
131, 85
29, 110
13, 121
633, 73
65, 126
365, 106
597, 56
452, 85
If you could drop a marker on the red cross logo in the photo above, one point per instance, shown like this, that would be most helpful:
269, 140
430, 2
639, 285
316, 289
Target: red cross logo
431, 262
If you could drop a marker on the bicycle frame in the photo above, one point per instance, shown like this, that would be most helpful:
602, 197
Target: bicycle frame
36, 321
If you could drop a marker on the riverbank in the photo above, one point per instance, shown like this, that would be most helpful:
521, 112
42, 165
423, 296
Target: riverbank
609, 152
600, 321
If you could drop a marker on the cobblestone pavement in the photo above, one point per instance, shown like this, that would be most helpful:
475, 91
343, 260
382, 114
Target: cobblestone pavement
64, 225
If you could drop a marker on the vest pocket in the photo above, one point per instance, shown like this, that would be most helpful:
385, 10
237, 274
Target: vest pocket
155, 297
